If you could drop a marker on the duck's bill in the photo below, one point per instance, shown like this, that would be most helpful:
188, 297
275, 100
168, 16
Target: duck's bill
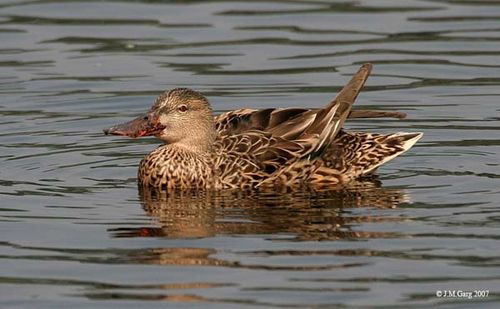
140, 126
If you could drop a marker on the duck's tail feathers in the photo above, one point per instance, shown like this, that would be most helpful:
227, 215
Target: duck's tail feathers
392, 146
356, 154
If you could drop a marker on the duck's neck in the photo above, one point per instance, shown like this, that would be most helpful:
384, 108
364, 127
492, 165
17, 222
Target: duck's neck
196, 146
198, 138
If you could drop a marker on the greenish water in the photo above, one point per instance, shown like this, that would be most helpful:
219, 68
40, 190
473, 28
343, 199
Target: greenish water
76, 232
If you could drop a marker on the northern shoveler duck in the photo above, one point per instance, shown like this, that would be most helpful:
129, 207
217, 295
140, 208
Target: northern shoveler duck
247, 148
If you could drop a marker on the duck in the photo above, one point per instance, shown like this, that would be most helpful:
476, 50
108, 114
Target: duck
260, 148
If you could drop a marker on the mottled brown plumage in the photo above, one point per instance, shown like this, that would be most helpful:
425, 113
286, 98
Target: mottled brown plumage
266, 148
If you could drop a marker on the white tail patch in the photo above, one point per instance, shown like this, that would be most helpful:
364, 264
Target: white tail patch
408, 143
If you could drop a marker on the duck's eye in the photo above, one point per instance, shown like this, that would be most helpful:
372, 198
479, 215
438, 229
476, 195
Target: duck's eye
183, 108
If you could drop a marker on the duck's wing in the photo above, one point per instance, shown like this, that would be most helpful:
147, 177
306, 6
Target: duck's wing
241, 120
275, 146
322, 126
253, 157
330, 119
302, 123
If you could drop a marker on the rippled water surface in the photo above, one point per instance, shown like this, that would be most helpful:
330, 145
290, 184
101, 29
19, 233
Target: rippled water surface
76, 232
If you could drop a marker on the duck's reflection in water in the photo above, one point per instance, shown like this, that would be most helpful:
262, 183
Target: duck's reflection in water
304, 215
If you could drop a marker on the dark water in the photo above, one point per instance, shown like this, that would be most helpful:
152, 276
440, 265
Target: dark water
75, 231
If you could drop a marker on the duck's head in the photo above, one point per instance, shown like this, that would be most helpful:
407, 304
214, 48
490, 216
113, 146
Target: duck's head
180, 116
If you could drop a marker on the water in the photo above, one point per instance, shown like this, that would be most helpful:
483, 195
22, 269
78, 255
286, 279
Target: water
76, 232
